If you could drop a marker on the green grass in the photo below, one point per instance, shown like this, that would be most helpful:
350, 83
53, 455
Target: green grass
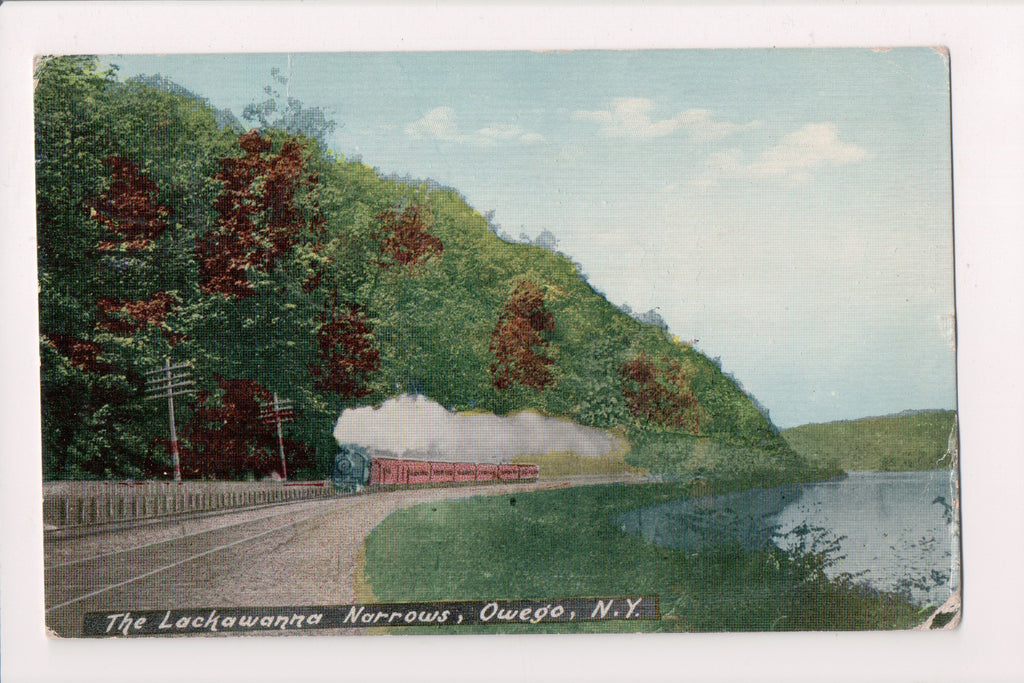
895, 443
563, 543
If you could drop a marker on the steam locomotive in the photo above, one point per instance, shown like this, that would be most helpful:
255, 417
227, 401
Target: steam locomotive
355, 469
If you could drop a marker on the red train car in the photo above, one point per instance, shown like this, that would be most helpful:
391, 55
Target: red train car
394, 472
508, 472
465, 471
486, 472
442, 472
385, 471
418, 471
529, 471
376, 471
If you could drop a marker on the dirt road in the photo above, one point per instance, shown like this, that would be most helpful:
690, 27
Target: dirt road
302, 554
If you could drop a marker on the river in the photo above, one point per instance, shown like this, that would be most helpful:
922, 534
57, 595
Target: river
894, 531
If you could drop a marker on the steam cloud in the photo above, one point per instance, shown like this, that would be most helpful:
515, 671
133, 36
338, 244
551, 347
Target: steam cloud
416, 427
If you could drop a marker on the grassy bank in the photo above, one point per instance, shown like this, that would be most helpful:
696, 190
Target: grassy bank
563, 542
894, 443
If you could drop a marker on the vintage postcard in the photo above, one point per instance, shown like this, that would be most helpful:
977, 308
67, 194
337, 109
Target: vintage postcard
497, 342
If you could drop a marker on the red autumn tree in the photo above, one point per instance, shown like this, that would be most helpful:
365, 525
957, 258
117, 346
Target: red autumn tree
227, 439
660, 395
404, 236
258, 217
520, 339
347, 355
129, 212
127, 209
225, 433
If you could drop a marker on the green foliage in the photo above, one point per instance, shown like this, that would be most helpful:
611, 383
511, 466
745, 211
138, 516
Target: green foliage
563, 543
349, 288
916, 441
94, 421
685, 455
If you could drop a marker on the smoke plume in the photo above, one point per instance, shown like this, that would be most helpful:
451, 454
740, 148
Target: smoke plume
416, 427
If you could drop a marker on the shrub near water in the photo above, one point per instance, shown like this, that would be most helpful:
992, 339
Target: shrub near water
562, 543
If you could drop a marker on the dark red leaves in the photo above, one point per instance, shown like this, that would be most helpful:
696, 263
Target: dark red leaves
225, 435
253, 143
81, 353
660, 396
258, 217
404, 238
128, 209
346, 352
129, 317
518, 341
227, 440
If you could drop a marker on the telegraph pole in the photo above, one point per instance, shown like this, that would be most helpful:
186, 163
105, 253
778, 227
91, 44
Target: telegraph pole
168, 382
275, 413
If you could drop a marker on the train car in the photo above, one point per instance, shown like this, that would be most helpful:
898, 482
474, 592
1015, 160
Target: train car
529, 471
486, 472
418, 472
465, 471
355, 469
384, 471
508, 472
442, 472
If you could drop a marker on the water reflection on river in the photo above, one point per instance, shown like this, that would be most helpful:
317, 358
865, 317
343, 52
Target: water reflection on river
895, 529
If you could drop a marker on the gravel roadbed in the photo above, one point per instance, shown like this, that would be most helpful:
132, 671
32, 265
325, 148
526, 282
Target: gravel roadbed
293, 555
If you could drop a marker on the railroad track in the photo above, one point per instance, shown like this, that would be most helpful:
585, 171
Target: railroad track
162, 559
303, 554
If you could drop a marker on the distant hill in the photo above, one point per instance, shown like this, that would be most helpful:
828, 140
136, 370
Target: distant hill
910, 440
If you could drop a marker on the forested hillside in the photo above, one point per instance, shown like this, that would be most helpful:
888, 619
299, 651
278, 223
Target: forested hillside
165, 231
913, 441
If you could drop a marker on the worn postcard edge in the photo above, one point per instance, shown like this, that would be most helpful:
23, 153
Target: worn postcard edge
22, 562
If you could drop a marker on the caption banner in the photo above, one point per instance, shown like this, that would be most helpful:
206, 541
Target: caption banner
443, 613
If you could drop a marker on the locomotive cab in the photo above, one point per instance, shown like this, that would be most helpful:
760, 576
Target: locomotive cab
351, 468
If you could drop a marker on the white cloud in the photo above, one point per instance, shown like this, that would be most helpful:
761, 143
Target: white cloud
629, 117
813, 146
700, 124
440, 124
437, 123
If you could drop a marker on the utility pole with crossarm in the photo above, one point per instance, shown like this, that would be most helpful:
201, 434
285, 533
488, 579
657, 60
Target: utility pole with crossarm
275, 413
168, 382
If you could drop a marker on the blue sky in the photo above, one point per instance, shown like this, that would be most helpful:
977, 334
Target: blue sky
789, 209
